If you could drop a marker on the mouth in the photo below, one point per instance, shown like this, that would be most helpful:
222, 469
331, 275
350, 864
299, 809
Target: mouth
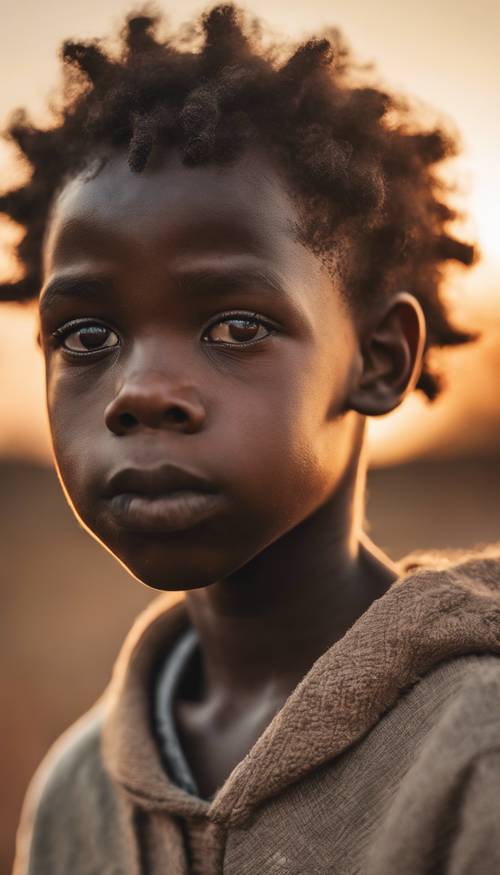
162, 499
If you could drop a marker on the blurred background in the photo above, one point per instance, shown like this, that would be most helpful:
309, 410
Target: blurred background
435, 469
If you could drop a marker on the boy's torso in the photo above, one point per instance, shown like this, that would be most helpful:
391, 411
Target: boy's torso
383, 807
384, 760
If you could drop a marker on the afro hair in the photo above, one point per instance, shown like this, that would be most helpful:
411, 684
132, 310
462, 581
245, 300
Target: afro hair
357, 160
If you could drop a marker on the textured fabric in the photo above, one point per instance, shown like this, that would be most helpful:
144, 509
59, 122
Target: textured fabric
388, 805
384, 760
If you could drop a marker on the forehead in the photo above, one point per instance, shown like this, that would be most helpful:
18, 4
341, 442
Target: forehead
171, 208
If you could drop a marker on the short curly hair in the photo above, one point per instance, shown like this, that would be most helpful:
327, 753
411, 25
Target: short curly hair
359, 163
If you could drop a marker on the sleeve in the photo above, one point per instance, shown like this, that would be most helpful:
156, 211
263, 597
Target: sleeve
444, 816
68, 802
476, 848
26, 823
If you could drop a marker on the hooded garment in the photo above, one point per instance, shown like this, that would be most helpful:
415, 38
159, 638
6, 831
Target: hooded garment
384, 760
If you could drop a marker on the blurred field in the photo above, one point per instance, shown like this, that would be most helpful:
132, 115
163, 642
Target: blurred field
66, 604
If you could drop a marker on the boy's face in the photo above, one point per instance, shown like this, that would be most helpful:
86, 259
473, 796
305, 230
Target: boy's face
201, 351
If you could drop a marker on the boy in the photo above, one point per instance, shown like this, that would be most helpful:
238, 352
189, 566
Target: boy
237, 255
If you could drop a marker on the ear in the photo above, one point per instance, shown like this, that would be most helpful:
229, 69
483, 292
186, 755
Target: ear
390, 356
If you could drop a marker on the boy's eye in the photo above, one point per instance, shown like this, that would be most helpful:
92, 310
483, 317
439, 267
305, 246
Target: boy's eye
236, 330
89, 338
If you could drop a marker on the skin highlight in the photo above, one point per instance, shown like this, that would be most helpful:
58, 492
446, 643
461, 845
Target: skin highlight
183, 322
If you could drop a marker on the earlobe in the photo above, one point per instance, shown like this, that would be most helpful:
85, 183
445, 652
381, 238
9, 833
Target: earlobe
391, 357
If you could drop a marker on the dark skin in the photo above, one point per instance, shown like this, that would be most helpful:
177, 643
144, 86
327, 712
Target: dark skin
192, 327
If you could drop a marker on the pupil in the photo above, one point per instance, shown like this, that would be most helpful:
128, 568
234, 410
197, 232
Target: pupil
93, 336
243, 329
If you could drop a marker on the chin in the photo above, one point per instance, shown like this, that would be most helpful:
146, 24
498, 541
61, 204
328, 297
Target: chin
167, 567
167, 562
168, 581
175, 561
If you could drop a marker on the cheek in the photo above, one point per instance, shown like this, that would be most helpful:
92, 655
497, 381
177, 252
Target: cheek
285, 437
75, 412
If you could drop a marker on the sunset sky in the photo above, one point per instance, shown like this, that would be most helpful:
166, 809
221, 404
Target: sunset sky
444, 53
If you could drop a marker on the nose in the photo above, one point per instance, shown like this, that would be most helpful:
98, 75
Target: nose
149, 400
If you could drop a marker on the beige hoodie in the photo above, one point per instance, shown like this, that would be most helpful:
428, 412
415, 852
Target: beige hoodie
385, 760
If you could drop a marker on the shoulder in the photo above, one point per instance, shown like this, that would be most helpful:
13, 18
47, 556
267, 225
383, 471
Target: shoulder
466, 695
76, 818
468, 728
70, 798
439, 727
472, 566
444, 810
463, 696
477, 696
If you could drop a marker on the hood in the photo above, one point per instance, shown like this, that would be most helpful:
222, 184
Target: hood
438, 610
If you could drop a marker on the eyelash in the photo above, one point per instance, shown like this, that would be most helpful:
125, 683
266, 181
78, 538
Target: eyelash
60, 334
243, 315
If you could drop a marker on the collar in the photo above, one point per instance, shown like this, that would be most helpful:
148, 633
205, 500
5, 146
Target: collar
439, 611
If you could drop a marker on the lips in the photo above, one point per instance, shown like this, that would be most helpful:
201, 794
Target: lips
161, 499
161, 480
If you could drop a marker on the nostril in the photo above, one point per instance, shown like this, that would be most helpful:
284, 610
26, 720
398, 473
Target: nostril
176, 416
129, 414
127, 420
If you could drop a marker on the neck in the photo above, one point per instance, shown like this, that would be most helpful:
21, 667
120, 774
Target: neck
263, 627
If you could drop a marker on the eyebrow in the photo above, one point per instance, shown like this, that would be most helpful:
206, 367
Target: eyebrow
200, 279
66, 288
206, 278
